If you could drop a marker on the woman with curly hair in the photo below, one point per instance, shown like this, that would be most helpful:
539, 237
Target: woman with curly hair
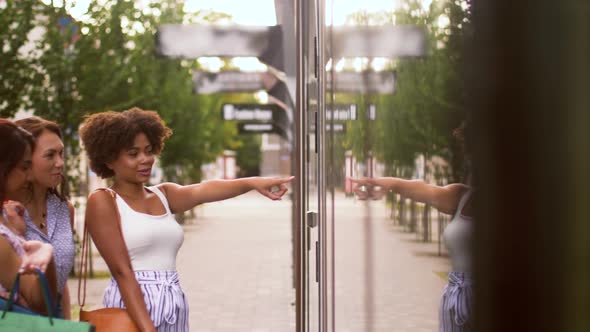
456, 199
123, 146
49, 215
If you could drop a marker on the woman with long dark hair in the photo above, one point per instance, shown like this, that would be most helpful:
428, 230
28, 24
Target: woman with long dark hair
49, 215
16, 254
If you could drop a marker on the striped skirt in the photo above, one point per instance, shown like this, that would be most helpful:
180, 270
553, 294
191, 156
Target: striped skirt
165, 300
456, 304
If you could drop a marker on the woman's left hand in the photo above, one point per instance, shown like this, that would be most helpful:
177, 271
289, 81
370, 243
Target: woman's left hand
37, 255
15, 213
273, 188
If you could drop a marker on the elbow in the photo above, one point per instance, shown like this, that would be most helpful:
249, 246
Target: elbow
122, 273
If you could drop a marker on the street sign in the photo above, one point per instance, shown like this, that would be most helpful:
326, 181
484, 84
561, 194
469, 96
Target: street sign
371, 112
250, 112
381, 82
192, 41
341, 112
393, 41
232, 81
256, 128
338, 127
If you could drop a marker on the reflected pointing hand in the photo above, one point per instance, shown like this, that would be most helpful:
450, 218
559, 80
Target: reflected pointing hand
367, 188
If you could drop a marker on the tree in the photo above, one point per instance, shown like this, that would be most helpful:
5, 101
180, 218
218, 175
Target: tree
17, 20
248, 155
429, 102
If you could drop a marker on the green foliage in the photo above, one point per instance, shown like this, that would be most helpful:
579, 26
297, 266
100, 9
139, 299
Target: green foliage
429, 101
111, 66
248, 155
17, 20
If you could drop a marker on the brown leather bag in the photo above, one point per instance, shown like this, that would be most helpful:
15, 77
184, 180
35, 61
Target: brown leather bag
105, 319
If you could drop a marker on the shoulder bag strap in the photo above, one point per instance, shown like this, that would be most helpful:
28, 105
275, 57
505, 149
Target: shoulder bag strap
85, 252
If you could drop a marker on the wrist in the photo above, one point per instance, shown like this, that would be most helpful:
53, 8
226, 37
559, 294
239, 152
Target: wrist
248, 183
390, 184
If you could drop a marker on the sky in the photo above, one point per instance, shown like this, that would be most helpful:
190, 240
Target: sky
261, 12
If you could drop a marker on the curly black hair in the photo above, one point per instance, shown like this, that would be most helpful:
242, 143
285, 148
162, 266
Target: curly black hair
104, 135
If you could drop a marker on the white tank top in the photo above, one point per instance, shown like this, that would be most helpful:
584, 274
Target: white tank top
458, 237
152, 241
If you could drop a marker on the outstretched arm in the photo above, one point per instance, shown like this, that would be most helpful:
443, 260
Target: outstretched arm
183, 198
103, 226
443, 198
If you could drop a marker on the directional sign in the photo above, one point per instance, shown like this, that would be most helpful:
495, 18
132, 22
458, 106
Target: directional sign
256, 128
265, 42
250, 112
192, 40
338, 127
371, 112
378, 41
382, 82
242, 82
341, 112
232, 81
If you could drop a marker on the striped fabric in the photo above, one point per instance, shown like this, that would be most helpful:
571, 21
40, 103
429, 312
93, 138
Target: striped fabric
456, 304
165, 300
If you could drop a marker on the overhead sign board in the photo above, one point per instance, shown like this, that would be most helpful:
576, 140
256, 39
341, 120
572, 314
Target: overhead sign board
381, 82
341, 112
191, 41
232, 81
256, 128
250, 112
371, 112
337, 127
391, 41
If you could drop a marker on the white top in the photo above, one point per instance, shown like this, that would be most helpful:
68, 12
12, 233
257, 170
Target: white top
458, 237
152, 241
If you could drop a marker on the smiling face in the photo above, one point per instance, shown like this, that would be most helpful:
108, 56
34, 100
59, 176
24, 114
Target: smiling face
134, 164
48, 160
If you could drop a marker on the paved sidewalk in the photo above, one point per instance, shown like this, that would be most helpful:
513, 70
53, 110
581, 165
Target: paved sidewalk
235, 267
406, 280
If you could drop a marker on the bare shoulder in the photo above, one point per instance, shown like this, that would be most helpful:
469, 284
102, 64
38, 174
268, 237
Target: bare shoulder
100, 203
99, 197
447, 197
168, 187
456, 189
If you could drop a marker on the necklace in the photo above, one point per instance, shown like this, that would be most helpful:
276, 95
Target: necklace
42, 224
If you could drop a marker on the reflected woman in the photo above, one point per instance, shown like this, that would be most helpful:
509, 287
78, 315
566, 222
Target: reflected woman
454, 199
